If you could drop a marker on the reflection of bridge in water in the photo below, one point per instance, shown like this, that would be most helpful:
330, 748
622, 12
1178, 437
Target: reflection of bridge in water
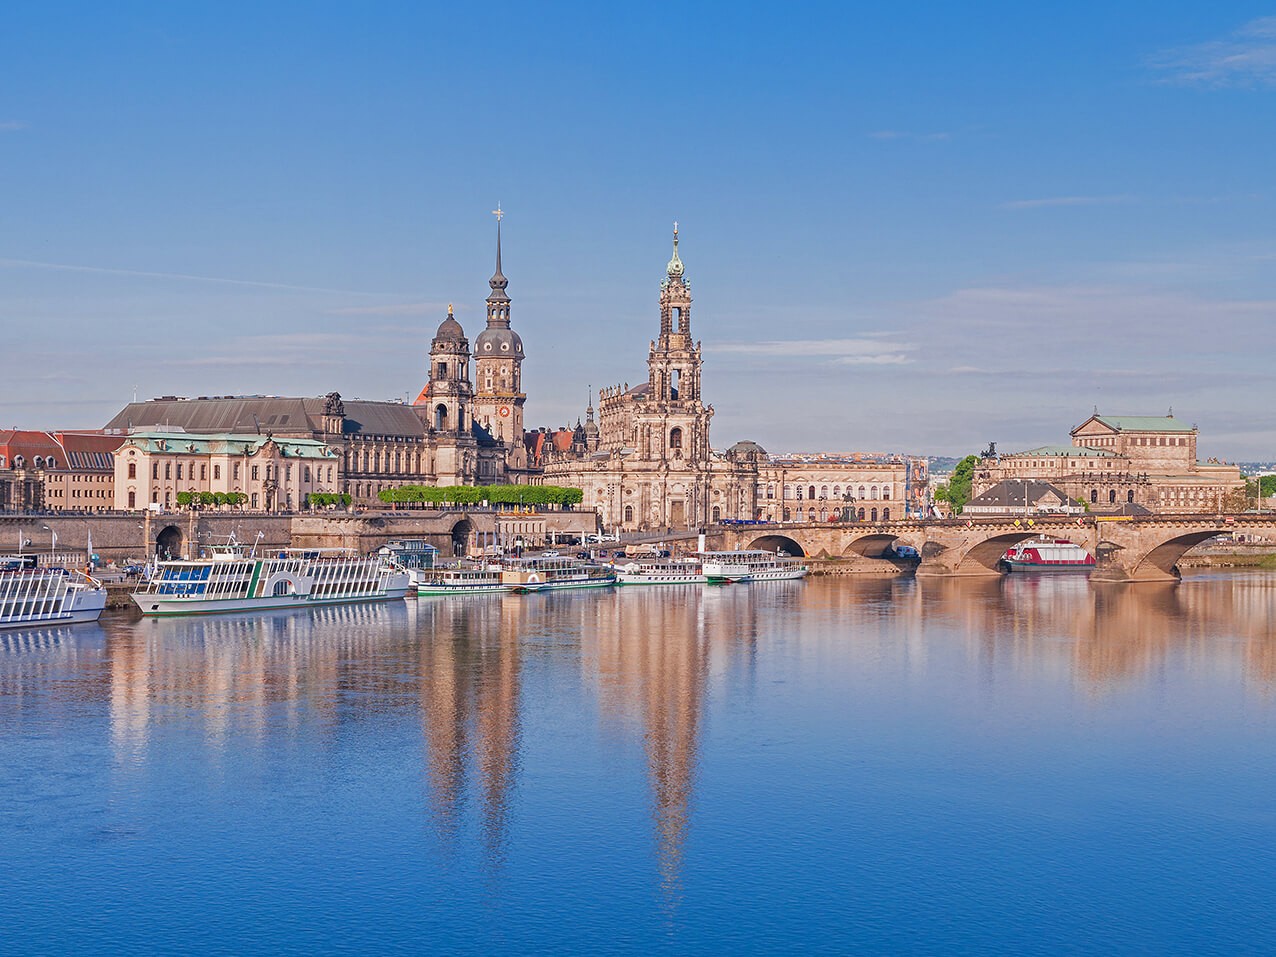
1143, 549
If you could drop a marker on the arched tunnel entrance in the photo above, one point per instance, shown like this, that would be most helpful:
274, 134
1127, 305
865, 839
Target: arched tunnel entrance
462, 531
168, 544
778, 543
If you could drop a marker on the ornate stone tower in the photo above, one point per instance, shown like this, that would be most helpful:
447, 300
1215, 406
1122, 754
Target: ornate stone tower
498, 361
450, 398
673, 369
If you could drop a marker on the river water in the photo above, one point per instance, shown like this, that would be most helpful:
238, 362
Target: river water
1031, 765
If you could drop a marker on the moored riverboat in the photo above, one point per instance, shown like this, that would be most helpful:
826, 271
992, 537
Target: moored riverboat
230, 580
750, 566
464, 579
34, 594
668, 571
552, 573
1059, 555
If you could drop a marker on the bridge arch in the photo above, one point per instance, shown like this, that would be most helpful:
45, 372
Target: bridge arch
1164, 557
782, 543
987, 553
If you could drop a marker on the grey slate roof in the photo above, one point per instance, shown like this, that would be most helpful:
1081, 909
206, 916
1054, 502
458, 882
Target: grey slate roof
279, 415
1011, 493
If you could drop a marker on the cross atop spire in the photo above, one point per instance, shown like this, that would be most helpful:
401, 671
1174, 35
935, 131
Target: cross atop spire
500, 214
675, 264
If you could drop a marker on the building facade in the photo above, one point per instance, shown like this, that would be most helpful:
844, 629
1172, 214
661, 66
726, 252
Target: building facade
827, 487
1114, 461
152, 468
56, 471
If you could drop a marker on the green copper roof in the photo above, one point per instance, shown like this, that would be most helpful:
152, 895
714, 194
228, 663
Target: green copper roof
226, 443
1144, 423
1073, 450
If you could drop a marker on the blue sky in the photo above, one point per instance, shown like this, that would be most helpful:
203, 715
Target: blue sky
913, 227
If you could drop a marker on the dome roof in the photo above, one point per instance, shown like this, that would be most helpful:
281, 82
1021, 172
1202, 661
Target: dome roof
449, 329
497, 341
741, 449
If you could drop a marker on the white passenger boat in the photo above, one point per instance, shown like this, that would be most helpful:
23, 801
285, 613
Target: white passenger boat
750, 566
229, 580
665, 571
32, 594
464, 580
550, 573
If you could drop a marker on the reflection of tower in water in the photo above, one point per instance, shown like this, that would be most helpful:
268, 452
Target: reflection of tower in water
651, 652
469, 687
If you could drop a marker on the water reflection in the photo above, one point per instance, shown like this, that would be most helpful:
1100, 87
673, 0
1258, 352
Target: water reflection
459, 672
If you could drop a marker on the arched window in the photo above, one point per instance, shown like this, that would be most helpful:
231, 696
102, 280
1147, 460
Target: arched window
872, 493
675, 438
788, 515
824, 491
51, 462
787, 492
837, 491
810, 515
861, 515
717, 514
886, 515
798, 490
886, 491
1111, 496
824, 514
629, 514
38, 462
770, 491
861, 495
811, 492
874, 515
440, 417
1129, 496
1094, 496
132, 470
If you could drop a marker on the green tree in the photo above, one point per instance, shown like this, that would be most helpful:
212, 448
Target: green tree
956, 491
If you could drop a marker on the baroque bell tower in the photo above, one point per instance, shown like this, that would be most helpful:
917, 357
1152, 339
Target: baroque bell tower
498, 360
673, 368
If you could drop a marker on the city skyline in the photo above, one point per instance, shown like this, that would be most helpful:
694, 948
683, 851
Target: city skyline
918, 244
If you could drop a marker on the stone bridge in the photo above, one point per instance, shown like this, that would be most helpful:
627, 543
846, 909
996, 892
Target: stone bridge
1141, 549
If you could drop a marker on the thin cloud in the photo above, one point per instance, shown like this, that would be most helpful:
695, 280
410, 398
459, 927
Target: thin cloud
1049, 201
1247, 57
870, 350
185, 277
11, 126
394, 309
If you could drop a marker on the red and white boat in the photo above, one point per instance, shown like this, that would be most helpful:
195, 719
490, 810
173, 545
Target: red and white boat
1059, 555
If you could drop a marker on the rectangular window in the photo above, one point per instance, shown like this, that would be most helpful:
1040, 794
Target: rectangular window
236, 471
254, 479
179, 471
168, 470
217, 472
155, 470
203, 472
132, 470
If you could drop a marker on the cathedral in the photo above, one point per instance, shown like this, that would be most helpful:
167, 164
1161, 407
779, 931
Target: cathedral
647, 462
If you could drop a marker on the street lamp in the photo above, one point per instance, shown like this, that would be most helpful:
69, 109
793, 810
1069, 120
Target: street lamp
54, 536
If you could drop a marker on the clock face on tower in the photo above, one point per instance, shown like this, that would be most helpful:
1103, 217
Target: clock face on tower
503, 411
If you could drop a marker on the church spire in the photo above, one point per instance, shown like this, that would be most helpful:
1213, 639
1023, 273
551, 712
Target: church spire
498, 282
675, 264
